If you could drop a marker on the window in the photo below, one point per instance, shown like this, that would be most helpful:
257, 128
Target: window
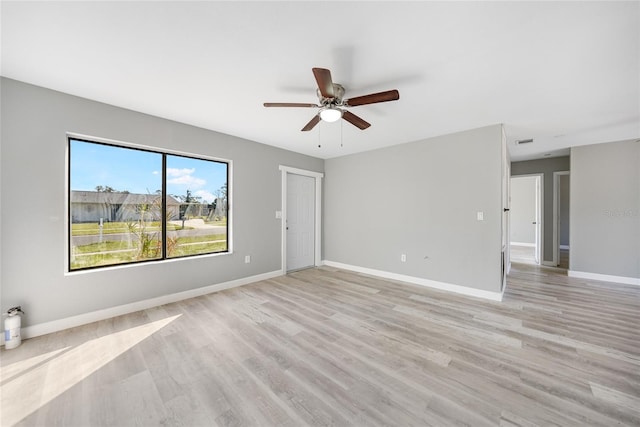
130, 205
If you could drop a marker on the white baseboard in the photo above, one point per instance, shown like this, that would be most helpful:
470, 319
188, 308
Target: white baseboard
464, 290
604, 277
564, 247
95, 316
529, 245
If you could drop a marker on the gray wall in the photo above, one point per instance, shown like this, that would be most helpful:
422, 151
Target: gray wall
546, 167
34, 126
420, 199
523, 209
605, 209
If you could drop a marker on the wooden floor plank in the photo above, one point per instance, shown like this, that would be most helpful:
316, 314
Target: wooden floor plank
326, 346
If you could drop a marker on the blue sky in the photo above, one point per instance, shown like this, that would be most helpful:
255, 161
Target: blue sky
139, 171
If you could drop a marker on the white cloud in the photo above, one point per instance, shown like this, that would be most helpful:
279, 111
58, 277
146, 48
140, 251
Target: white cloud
180, 172
184, 177
207, 196
188, 181
155, 172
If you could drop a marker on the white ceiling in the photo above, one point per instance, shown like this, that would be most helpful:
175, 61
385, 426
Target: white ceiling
563, 73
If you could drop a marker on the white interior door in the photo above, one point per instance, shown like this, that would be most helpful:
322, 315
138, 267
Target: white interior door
525, 218
538, 220
300, 221
561, 190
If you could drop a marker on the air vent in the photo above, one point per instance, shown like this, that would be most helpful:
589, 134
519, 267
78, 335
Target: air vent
524, 141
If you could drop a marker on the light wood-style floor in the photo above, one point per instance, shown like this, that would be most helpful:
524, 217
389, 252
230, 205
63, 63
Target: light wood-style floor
330, 347
522, 254
526, 255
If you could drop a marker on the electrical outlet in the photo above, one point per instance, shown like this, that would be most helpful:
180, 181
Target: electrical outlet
247, 259
403, 258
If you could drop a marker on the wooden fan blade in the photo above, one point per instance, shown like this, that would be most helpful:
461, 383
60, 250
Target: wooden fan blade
288, 104
325, 84
355, 120
312, 123
390, 95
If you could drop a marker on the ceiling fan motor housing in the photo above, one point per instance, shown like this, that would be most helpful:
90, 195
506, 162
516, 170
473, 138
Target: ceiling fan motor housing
338, 92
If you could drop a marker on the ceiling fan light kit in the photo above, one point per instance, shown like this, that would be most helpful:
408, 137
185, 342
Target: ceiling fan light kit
330, 114
332, 107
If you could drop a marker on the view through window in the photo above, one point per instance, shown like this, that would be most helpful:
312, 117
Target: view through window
130, 205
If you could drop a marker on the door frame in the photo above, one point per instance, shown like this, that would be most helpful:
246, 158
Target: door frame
317, 217
556, 215
506, 228
539, 214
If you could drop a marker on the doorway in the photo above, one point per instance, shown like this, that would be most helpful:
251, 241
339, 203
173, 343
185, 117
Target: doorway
525, 231
301, 218
561, 219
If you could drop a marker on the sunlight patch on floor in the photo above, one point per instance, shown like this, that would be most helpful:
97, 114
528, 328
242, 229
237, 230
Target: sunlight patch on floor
27, 390
8, 372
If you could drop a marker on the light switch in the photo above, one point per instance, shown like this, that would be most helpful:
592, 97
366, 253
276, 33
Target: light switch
480, 216
278, 214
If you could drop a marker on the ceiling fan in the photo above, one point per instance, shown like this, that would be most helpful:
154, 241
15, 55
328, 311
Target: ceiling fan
332, 106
